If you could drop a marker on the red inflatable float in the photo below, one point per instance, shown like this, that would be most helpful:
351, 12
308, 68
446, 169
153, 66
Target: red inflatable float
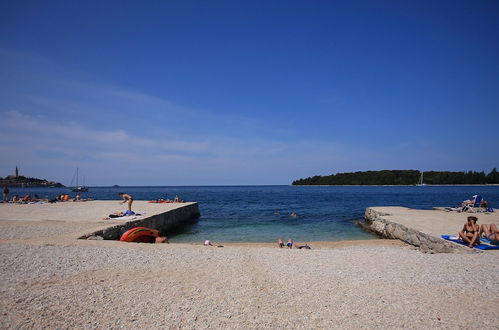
140, 234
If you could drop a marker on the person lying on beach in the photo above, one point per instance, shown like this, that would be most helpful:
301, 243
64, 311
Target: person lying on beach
491, 232
469, 201
127, 199
306, 247
470, 232
210, 243
177, 199
160, 200
161, 239
289, 243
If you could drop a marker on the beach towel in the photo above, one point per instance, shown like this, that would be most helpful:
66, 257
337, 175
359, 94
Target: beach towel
124, 216
480, 246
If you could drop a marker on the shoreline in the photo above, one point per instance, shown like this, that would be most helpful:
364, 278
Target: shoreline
363, 283
396, 185
282, 185
312, 244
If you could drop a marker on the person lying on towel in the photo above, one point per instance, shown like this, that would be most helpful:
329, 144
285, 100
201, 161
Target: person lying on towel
491, 232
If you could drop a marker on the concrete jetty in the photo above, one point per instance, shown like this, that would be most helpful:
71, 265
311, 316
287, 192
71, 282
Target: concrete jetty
90, 217
422, 228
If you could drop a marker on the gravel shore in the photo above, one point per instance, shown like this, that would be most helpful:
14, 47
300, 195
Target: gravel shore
50, 279
125, 285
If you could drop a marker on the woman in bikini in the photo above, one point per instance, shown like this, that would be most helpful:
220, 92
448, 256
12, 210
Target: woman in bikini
470, 232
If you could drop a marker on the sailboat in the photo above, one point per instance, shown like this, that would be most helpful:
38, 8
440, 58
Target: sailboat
77, 187
420, 183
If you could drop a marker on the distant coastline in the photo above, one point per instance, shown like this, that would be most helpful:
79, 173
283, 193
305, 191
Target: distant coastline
402, 178
399, 185
22, 181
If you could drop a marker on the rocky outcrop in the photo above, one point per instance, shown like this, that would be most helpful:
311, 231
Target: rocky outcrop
376, 223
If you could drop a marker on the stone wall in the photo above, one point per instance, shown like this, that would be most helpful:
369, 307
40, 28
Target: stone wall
164, 222
375, 222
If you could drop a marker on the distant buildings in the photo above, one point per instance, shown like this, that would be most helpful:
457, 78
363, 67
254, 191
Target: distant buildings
16, 180
13, 176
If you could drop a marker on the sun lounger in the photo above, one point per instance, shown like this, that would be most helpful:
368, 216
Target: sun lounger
476, 207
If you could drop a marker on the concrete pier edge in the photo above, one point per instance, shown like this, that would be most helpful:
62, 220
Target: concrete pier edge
163, 222
375, 222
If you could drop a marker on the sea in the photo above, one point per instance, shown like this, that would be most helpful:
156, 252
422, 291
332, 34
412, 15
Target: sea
264, 213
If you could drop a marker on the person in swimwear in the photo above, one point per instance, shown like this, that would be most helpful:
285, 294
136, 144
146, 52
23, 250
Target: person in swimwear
280, 243
289, 243
306, 247
491, 232
127, 199
161, 239
470, 232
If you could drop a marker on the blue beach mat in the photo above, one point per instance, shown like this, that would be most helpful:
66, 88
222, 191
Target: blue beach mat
480, 246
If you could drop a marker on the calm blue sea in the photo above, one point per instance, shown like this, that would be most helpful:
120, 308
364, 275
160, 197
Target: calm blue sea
262, 213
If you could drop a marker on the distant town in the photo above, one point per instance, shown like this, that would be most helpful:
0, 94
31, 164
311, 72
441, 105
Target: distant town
17, 180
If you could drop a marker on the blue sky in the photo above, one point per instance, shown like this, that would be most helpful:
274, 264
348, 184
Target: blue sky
256, 92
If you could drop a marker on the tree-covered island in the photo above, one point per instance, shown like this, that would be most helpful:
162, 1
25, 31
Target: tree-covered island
401, 177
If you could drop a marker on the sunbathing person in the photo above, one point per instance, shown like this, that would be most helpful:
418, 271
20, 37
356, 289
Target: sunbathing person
280, 244
161, 239
469, 201
470, 232
492, 233
289, 244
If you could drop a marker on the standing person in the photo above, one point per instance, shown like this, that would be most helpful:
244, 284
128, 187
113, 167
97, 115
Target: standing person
5, 194
127, 199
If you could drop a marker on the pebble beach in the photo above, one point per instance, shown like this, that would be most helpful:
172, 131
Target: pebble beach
60, 282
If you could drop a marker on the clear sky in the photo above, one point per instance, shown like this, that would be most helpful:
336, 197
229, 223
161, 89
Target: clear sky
246, 92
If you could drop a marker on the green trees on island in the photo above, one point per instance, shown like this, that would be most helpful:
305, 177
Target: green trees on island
401, 177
